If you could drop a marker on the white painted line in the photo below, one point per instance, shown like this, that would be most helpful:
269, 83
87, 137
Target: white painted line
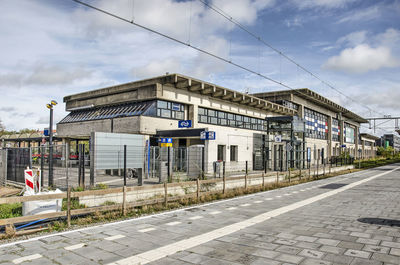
232, 208
268, 199
367, 171
147, 230
286, 194
195, 217
295, 192
114, 237
302, 190
173, 223
279, 196
215, 212
73, 247
257, 201
27, 258
161, 252
245, 205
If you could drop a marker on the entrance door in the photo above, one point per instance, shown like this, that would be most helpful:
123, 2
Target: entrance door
278, 157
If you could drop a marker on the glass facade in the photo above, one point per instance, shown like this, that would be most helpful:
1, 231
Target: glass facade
316, 124
335, 130
172, 110
223, 118
349, 133
286, 103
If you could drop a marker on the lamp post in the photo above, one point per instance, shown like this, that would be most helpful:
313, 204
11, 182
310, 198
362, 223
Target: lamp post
50, 107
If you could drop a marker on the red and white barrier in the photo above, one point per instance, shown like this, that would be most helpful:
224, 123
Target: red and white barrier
32, 181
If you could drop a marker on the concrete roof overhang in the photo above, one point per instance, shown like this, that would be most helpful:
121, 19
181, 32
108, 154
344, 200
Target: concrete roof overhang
317, 99
369, 136
214, 91
192, 85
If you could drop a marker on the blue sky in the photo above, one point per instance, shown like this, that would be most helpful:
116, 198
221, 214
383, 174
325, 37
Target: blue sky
51, 49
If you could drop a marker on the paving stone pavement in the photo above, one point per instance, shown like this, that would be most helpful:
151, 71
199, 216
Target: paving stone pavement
349, 227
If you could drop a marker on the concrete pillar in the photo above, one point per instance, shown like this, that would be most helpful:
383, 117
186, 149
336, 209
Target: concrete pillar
193, 115
301, 111
330, 147
356, 141
341, 136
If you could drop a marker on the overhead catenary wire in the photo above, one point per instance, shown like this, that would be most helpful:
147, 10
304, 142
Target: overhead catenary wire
191, 46
210, 53
282, 54
183, 43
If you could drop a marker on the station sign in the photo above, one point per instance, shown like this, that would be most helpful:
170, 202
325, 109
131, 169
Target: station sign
185, 124
207, 135
165, 142
343, 146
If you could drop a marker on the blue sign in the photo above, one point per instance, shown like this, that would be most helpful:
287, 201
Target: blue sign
165, 140
211, 136
204, 135
343, 145
46, 132
185, 124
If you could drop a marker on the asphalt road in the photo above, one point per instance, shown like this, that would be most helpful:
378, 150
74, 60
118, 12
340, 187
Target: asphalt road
349, 219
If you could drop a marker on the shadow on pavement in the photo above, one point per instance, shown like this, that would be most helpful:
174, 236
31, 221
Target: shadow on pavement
380, 221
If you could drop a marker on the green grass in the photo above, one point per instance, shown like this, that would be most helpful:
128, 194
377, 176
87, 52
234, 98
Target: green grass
10, 210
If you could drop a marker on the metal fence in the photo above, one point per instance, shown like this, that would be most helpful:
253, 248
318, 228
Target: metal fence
114, 166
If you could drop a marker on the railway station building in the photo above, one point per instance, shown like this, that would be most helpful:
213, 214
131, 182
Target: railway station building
271, 131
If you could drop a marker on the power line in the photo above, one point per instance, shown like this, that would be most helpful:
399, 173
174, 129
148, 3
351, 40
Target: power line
231, 19
132, 22
189, 45
184, 43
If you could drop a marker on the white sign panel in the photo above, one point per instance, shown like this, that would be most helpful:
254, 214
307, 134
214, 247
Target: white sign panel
109, 150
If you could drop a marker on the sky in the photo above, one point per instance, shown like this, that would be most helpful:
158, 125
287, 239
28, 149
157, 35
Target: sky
54, 48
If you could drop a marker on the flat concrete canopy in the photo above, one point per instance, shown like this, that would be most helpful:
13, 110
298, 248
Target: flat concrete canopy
135, 91
315, 98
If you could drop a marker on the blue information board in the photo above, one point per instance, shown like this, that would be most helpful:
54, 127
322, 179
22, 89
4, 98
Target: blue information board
185, 124
204, 135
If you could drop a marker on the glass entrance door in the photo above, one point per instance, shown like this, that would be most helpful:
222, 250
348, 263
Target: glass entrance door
278, 157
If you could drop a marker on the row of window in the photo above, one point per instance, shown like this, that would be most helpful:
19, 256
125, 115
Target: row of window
221, 150
170, 110
228, 119
316, 124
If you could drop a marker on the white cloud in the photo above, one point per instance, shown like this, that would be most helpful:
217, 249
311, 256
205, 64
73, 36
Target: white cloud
365, 14
157, 68
391, 37
295, 22
354, 38
302, 4
362, 59
43, 74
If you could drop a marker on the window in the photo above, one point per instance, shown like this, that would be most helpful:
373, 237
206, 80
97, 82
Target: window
172, 110
234, 152
221, 153
228, 119
316, 124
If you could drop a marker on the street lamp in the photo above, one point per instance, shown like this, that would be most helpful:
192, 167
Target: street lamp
50, 107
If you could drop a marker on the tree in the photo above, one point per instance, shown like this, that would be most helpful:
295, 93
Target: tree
2, 128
